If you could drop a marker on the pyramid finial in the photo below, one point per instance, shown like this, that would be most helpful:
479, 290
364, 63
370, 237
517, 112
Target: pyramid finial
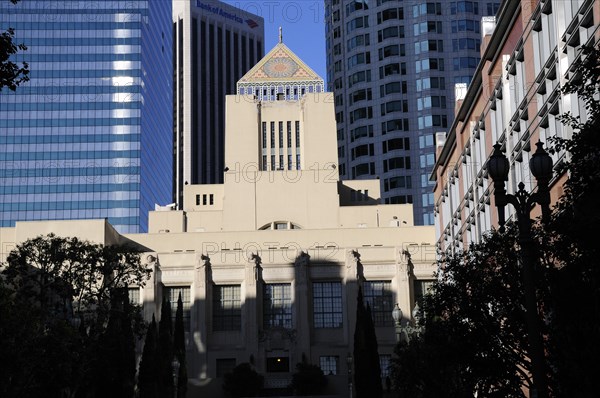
280, 34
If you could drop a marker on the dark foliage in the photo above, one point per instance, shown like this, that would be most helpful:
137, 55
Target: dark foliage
475, 333
474, 338
179, 349
48, 284
243, 381
114, 364
373, 352
367, 371
574, 291
148, 373
11, 74
308, 379
165, 350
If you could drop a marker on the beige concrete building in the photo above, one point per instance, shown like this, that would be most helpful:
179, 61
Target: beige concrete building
269, 262
528, 52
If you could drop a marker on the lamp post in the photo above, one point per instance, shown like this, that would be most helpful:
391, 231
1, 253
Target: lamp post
408, 330
540, 165
349, 363
397, 317
175, 366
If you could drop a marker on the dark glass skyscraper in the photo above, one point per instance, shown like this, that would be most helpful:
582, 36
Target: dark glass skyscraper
392, 65
215, 45
90, 135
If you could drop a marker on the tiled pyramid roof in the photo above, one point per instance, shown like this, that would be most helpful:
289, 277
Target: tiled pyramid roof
279, 65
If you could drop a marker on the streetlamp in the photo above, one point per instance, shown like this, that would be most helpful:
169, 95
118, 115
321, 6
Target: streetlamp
397, 317
408, 330
540, 165
175, 366
349, 363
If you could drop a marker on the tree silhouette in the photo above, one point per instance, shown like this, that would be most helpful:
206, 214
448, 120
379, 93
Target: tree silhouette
243, 381
11, 74
308, 379
148, 373
179, 349
165, 351
574, 252
367, 370
47, 285
475, 339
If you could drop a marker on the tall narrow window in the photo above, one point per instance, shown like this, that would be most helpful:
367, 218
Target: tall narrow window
289, 134
172, 293
244, 54
297, 134
272, 135
236, 51
264, 135
272, 162
134, 295
421, 288
277, 305
379, 296
327, 304
384, 364
280, 134
227, 312
329, 365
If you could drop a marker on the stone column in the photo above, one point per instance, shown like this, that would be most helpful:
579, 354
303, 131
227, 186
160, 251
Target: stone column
405, 277
200, 317
301, 309
353, 272
150, 292
251, 319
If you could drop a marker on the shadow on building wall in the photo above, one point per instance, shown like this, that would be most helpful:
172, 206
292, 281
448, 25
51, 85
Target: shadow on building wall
278, 316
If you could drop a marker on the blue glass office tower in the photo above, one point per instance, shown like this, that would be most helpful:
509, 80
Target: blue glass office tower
90, 135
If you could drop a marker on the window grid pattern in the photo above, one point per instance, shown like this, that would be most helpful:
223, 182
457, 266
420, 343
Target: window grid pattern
378, 294
78, 122
134, 295
227, 310
172, 293
384, 363
421, 288
277, 306
424, 28
327, 305
329, 364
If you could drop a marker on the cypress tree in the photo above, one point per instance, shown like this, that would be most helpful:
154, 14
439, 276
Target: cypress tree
367, 370
114, 366
127, 347
165, 351
148, 375
375, 386
179, 349
361, 362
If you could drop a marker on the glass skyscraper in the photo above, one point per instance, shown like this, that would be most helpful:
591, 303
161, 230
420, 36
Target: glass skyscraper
90, 135
215, 45
392, 66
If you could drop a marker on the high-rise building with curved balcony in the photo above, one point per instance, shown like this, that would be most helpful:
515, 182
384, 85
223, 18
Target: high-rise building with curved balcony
392, 65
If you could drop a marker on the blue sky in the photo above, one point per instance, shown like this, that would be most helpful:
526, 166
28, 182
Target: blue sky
303, 27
